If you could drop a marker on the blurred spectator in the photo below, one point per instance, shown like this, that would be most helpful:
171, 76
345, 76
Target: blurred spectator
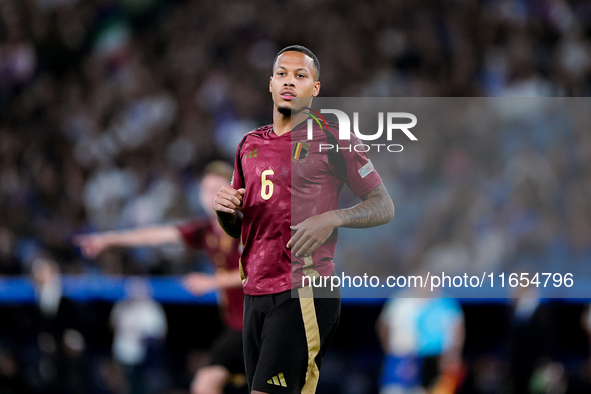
140, 326
61, 345
12, 380
530, 344
9, 263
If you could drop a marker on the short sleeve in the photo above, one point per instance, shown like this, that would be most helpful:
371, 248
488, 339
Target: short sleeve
192, 233
238, 176
361, 176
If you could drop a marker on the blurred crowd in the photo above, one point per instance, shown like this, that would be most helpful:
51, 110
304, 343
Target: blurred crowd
491, 185
110, 109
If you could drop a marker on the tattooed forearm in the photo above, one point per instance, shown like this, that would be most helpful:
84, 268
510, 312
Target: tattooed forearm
375, 209
232, 224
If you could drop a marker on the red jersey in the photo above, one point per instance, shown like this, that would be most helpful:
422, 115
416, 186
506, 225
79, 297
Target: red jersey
224, 252
288, 179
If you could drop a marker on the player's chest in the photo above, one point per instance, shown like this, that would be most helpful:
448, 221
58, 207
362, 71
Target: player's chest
266, 168
258, 156
280, 157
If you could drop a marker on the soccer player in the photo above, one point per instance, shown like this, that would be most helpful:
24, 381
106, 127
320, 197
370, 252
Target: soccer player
423, 340
280, 178
224, 251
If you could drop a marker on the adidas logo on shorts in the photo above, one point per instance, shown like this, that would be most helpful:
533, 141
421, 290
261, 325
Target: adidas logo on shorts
278, 380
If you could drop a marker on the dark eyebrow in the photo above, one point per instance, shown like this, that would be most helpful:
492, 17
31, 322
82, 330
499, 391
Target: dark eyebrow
297, 69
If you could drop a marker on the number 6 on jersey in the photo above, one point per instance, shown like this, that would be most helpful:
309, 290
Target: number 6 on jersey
266, 185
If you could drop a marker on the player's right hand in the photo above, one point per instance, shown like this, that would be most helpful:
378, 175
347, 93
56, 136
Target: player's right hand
92, 244
228, 200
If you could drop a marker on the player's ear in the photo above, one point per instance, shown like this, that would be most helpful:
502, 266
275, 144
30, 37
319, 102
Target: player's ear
316, 90
270, 83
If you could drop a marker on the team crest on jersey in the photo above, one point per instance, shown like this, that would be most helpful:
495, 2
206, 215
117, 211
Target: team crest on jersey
300, 151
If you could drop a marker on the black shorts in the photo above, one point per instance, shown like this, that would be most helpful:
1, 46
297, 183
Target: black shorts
285, 339
226, 351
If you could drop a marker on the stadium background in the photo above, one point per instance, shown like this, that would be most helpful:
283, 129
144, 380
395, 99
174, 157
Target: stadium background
110, 109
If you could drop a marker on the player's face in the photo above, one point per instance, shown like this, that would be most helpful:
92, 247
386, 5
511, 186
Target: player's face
294, 82
210, 184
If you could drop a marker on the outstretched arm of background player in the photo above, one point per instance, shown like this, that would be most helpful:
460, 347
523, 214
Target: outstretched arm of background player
198, 283
228, 207
376, 208
93, 244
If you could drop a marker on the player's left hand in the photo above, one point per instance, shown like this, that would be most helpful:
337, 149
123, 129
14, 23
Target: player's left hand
199, 284
311, 234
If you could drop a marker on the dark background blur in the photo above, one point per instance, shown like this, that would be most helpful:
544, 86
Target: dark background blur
110, 109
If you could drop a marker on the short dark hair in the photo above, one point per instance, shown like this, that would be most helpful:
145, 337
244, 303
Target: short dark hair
301, 49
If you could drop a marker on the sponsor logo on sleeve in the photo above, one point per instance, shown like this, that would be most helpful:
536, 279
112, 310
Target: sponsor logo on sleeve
366, 169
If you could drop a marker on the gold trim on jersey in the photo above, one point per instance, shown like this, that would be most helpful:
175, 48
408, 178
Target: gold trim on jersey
241, 270
306, 297
308, 268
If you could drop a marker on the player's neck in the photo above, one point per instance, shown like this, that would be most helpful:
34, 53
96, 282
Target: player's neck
283, 124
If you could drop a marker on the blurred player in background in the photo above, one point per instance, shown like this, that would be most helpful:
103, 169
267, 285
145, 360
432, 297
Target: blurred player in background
139, 327
227, 361
423, 340
285, 338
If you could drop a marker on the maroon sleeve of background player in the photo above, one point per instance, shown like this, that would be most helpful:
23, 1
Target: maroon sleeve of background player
193, 233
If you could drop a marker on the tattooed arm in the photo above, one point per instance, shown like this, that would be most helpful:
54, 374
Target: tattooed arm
376, 208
